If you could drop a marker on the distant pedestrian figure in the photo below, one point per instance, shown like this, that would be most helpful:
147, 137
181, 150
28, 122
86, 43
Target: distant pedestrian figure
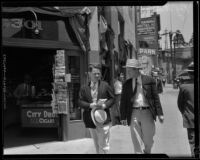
140, 105
97, 96
163, 81
115, 110
186, 107
158, 82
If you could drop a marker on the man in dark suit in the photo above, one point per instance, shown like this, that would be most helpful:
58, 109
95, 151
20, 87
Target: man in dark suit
89, 98
139, 107
186, 107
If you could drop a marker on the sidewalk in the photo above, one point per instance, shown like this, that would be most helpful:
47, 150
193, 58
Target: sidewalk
120, 140
80, 146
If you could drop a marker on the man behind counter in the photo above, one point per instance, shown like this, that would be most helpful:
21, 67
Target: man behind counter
22, 93
24, 90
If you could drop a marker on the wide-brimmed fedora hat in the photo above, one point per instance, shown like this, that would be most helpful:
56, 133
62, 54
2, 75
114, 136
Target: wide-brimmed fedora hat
99, 116
133, 63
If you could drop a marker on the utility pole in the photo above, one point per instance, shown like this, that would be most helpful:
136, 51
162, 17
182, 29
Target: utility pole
166, 46
172, 56
170, 40
166, 54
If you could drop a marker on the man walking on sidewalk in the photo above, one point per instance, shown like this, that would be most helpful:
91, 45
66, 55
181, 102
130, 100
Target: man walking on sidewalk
139, 107
186, 107
96, 98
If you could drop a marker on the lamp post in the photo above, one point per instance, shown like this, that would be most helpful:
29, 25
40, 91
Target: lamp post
176, 43
170, 40
172, 56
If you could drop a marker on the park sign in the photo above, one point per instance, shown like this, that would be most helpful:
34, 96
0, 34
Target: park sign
146, 51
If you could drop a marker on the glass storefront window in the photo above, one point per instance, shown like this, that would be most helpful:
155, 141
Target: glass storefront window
74, 87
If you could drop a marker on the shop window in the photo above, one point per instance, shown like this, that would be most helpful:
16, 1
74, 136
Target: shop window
74, 87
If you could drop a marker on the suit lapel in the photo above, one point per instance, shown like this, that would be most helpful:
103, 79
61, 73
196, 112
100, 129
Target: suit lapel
143, 85
88, 92
99, 90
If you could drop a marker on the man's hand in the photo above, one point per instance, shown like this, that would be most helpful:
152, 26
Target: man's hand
124, 122
93, 105
161, 119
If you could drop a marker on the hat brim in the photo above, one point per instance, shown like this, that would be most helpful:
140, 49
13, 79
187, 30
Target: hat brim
93, 119
132, 67
189, 70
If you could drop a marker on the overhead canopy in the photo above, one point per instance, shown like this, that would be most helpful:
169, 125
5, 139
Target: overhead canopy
57, 11
76, 17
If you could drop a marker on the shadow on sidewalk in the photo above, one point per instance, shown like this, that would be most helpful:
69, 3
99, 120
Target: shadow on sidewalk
15, 136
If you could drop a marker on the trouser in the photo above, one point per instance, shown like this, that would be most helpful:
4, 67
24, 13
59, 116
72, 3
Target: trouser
115, 111
101, 137
142, 130
191, 138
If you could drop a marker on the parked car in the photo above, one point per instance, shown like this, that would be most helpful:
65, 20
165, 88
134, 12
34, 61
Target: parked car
182, 77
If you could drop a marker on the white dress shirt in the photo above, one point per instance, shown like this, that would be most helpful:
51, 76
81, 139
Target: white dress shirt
140, 100
94, 91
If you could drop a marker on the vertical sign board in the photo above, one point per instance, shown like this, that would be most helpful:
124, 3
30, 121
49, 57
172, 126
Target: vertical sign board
147, 42
39, 117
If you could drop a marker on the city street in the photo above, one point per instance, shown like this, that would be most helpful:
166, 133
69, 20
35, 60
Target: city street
170, 138
59, 61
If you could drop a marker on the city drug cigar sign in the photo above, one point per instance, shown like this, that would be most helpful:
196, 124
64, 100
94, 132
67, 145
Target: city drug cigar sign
39, 118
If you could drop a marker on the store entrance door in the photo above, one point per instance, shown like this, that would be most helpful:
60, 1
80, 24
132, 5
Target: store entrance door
75, 67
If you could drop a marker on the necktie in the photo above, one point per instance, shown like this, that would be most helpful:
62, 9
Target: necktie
94, 86
94, 91
134, 83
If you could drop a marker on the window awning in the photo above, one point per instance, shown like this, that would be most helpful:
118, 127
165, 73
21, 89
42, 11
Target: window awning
57, 11
78, 17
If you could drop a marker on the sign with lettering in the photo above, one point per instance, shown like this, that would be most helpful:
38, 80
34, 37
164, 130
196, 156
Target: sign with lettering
146, 27
147, 51
25, 28
39, 117
147, 33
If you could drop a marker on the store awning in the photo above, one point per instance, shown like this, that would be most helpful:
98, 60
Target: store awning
57, 11
78, 17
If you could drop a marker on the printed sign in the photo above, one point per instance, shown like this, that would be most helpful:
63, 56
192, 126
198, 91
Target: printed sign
60, 58
60, 71
38, 117
146, 27
147, 51
68, 77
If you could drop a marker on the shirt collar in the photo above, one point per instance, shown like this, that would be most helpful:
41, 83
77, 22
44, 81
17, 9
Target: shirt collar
93, 83
139, 79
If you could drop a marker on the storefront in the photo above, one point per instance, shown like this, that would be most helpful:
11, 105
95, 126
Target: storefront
33, 41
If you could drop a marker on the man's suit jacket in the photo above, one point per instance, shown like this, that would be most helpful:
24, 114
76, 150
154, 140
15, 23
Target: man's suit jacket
150, 93
85, 98
186, 104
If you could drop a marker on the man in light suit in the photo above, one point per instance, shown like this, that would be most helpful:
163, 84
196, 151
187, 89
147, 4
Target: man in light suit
186, 107
89, 96
140, 105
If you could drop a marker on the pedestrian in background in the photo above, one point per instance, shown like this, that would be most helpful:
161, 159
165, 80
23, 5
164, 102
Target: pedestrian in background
155, 75
115, 111
90, 98
163, 81
140, 105
186, 107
